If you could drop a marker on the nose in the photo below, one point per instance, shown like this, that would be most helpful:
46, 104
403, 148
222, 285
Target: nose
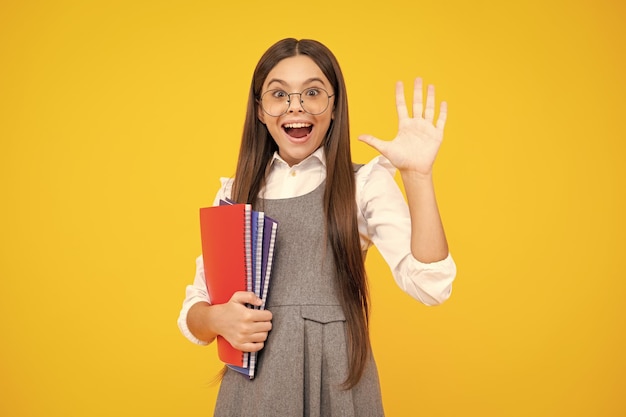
295, 105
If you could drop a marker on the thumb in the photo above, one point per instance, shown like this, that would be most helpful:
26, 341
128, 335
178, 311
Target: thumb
246, 297
374, 142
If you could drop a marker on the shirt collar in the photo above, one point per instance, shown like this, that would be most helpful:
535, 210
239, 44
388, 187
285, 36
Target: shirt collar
318, 155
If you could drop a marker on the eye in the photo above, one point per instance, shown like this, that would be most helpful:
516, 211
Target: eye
312, 92
279, 94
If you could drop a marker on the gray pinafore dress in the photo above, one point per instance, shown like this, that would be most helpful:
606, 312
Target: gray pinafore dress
305, 358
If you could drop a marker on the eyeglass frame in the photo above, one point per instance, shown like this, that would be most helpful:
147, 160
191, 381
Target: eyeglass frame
260, 101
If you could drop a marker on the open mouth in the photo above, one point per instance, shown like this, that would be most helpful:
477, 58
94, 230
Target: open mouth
298, 130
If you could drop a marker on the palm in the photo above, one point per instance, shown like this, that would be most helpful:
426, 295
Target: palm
416, 145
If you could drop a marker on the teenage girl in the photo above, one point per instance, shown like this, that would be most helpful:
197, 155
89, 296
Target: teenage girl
295, 165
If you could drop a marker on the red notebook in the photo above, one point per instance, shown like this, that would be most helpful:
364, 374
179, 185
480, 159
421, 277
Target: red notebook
226, 251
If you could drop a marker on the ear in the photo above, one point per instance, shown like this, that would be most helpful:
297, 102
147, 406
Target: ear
260, 114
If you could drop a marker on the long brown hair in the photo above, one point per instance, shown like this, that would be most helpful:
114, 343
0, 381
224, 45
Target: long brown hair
257, 148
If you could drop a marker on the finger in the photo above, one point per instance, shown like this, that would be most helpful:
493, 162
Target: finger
403, 113
262, 316
250, 347
246, 297
375, 143
429, 112
252, 342
418, 105
260, 327
252, 337
443, 115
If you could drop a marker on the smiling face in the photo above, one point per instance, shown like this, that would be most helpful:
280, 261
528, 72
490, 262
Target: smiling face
297, 133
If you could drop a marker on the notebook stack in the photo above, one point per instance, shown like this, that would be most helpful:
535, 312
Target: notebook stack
237, 250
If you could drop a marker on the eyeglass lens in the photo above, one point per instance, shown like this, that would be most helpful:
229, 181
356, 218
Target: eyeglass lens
312, 100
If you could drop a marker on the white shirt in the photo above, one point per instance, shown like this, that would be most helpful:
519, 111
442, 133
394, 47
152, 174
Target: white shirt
383, 221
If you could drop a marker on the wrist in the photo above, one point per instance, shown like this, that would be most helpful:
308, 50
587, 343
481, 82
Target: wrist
201, 323
416, 176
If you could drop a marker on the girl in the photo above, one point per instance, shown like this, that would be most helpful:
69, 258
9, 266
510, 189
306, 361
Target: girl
295, 165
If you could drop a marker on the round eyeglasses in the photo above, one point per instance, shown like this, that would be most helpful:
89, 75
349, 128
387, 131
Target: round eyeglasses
312, 100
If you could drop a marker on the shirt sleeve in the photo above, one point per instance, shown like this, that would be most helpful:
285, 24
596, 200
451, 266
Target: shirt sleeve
384, 221
194, 293
197, 292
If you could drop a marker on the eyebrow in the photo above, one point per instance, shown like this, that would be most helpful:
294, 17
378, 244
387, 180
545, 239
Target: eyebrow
284, 83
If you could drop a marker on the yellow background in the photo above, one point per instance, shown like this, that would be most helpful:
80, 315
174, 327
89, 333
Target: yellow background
117, 118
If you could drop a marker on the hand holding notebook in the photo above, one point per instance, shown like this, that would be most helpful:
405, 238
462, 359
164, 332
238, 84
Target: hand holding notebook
243, 327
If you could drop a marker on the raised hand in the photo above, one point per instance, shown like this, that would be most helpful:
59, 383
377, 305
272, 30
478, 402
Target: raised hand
415, 147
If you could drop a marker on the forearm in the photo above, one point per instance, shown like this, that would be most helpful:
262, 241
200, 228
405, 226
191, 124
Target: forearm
200, 323
428, 239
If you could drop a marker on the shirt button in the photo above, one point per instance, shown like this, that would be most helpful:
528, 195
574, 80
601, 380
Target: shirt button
293, 173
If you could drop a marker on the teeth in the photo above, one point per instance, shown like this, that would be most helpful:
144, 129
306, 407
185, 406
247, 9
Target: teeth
297, 125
